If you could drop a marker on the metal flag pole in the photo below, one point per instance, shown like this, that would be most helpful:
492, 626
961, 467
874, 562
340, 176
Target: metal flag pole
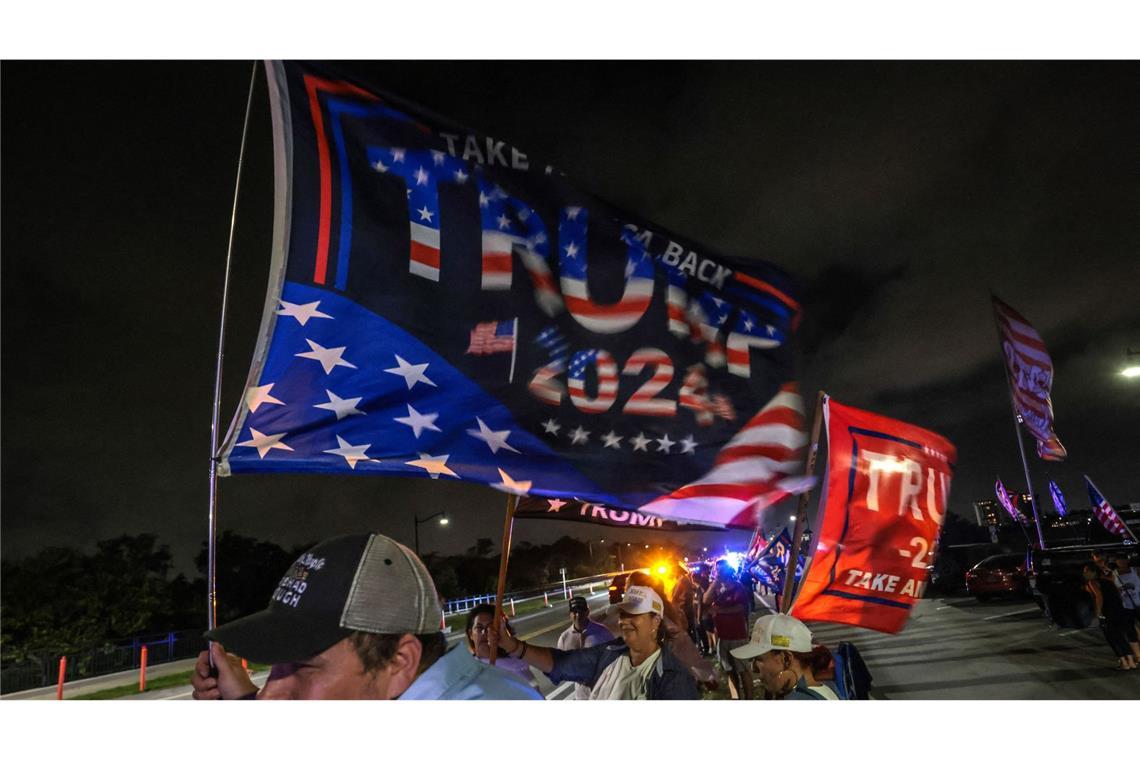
1020, 445
508, 527
212, 530
801, 510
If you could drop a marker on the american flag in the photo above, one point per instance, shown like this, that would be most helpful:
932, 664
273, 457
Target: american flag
1106, 514
1003, 497
1030, 373
758, 467
492, 338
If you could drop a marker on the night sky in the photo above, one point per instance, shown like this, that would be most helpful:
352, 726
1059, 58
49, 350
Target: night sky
899, 194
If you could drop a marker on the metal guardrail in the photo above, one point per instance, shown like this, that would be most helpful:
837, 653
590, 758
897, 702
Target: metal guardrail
553, 590
42, 668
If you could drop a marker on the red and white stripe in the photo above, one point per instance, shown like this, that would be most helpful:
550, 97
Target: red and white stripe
424, 254
1024, 352
497, 259
545, 384
644, 401
607, 370
739, 351
613, 318
758, 467
676, 301
694, 395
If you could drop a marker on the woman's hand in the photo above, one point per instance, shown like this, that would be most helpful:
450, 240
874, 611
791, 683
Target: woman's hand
230, 682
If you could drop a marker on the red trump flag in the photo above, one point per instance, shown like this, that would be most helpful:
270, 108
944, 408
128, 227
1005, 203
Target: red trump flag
886, 493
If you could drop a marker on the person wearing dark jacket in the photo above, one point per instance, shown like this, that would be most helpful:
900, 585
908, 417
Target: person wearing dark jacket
638, 665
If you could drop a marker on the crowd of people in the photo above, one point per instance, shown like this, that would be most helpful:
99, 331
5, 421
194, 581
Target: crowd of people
358, 617
1115, 590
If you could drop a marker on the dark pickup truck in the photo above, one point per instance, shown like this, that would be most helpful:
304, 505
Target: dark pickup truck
1058, 587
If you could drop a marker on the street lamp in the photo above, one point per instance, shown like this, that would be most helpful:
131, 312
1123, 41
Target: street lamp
442, 521
1133, 370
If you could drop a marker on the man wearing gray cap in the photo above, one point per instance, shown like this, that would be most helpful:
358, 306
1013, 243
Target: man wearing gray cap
355, 617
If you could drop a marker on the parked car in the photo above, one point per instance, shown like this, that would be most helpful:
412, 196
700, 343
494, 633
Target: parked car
999, 575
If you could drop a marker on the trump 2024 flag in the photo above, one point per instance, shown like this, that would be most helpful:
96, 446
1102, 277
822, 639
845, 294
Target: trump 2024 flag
1030, 373
443, 305
887, 488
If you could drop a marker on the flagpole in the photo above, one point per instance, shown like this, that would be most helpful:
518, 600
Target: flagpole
801, 510
1017, 430
212, 521
508, 527
514, 349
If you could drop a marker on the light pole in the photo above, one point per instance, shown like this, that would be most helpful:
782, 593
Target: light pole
1133, 368
442, 521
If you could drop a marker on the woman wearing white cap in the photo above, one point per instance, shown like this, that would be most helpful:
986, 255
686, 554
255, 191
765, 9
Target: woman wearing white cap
782, 653
639, 665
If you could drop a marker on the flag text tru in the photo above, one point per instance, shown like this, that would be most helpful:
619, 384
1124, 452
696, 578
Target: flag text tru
888, 474
511, 227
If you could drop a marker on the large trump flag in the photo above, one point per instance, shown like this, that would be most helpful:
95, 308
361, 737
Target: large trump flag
887, 488
443, 305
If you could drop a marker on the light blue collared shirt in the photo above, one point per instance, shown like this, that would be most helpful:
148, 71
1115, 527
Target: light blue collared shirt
458, 675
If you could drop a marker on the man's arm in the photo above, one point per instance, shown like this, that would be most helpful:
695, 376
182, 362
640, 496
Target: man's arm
231, 682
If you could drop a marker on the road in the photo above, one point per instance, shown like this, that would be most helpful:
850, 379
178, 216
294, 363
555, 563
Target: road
959, 648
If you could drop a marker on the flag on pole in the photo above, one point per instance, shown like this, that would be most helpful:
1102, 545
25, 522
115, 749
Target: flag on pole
1106, 514
756, 544
1058, 498
772, 561
762, 464
1030, 373
1003, 498
405, 245
887, 488
492, 338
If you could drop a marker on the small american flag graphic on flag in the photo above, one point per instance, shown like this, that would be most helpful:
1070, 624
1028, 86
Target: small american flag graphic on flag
1106, 514
492, 338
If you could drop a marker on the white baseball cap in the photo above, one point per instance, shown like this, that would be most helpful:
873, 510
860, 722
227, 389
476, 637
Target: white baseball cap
779, 631
641, 599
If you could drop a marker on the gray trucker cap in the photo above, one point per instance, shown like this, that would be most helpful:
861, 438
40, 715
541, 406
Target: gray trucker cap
364, 582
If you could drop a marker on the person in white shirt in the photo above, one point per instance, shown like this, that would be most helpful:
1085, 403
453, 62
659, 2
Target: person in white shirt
1128, 582
581, 634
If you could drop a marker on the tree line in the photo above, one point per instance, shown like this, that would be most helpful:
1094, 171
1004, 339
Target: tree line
63, 600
